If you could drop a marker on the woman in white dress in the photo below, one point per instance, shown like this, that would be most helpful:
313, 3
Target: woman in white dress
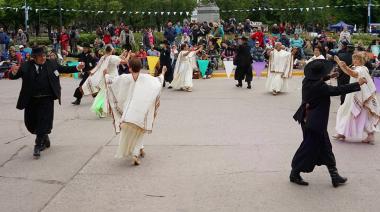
108, 64
360, 111
183, 71
134, 100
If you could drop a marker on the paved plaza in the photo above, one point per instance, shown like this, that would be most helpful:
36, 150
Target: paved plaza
219, 148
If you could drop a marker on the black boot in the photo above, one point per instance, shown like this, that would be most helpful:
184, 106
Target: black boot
76, 102
336, 179
296, 178
46, 143
36, 152
249, 85
240, 84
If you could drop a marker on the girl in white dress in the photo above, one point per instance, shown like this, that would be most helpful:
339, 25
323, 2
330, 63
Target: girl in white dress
360, 111
183, 71
108, 64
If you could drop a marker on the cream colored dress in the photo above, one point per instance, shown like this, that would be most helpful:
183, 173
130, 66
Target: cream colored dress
279, 70
183, 72
360, 111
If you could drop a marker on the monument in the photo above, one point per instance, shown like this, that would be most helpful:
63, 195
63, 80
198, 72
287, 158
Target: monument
206, 12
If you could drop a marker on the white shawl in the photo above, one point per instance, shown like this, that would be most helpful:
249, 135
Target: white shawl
281, 62
94, 81
133, 101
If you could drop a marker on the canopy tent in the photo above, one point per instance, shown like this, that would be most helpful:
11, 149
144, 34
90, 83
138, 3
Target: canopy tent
339, 26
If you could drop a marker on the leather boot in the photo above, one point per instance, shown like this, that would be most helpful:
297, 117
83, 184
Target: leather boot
296, 178
336, 179
47, 141
249, 85
240, 84
76, 102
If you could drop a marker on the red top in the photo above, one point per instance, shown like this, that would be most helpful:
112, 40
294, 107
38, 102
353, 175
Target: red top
107, 39
258, 36
141, 55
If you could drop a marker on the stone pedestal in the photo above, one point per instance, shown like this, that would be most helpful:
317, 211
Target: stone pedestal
206, 12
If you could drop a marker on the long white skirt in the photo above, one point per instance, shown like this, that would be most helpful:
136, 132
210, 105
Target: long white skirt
184, 78
276, 83
131, 140
351, 126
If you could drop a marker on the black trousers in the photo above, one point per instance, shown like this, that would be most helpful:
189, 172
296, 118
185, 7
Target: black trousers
242, 73
343, 80
39, 115
78, 93
315, 150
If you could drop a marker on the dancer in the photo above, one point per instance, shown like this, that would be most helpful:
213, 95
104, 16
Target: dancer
40, 87
243, 62
95, 84
360, 111
166, 61
90, 63
280, 68
134, 100
313, 115
183, 71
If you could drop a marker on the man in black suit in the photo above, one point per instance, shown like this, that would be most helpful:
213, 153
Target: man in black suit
89, 63
345, 54
40, 87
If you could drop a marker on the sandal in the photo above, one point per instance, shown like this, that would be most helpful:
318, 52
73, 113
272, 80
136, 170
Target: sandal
339, 137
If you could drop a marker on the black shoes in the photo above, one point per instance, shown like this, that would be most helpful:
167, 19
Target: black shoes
249, 86
76, 102
336, 179
239, 85
37, 152
296, 178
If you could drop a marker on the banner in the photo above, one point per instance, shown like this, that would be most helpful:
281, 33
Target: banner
203, 64
152, 62
258, 67
73, 63
229, 66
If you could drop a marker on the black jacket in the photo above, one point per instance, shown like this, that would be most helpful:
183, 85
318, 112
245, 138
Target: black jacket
315, 108
28, 72
87, 58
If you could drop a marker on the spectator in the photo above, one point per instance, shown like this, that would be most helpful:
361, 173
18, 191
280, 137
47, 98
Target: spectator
107, 38
54, 38
98, 43
74, 38
345, 36
228, 53
297, 42
64, 39
148, 39
317, 55
258, 36
153, 52
142, 56
21, 38
308, 49
22, 52
284, 40
170, 33
178, 29
257, 53
185, 39
99, 32
4, 40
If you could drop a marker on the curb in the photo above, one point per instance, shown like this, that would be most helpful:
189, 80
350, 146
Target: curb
263, 74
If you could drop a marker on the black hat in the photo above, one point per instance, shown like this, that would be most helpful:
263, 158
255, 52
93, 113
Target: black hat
86, 45
243, 38
344, 43
38, 51
318, 69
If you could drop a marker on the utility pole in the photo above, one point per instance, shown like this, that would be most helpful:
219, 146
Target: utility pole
60, 13
369, 16
26, 11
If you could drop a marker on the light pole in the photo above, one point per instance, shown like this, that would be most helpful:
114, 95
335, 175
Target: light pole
60, 13
26, 11
369, 16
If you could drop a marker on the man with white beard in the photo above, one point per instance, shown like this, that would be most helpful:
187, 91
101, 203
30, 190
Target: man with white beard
280, 68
